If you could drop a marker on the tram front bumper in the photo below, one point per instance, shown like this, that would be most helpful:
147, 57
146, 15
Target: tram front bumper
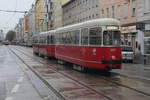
112, 62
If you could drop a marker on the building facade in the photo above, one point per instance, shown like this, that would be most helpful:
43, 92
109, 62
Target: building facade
58, 12
144, 25
49, 19
19, 29
29, 27
40, 13
76, 11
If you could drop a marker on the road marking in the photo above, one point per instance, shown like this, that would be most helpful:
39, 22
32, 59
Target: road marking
9, 98
140, 77
15, 89
20, 79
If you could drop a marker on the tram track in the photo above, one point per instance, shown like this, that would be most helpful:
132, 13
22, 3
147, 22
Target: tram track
45, 82
122, 75
84, 84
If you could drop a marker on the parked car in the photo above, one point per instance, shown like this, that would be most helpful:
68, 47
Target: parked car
127, 53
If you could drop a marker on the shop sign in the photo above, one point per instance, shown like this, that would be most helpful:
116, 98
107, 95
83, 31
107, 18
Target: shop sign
124, 29
129, 29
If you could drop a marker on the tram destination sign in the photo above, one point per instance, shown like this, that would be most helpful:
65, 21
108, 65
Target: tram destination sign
112, 27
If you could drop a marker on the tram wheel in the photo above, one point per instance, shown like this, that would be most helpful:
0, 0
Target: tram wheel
79, 68
61, 62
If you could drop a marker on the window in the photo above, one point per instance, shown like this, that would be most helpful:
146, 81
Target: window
133, 12
133, 8
103, 13
112, 37
52, 38
71, 37
113, 11
84, 35
118, 12
42, 40
107, 12
95, 36
125, 14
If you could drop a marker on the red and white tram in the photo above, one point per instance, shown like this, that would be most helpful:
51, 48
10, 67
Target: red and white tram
91, 44
35, 44
44, 44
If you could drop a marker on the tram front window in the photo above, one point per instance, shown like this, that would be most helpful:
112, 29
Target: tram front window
112, 38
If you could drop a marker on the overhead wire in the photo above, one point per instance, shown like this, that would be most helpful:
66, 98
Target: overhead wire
11, 17
13, 11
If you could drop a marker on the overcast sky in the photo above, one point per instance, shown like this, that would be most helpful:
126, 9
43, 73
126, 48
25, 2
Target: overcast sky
9, 20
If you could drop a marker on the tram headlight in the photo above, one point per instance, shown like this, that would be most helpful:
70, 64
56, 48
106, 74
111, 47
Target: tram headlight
113, 57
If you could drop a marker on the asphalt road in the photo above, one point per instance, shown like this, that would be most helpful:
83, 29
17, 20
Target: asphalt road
18, 81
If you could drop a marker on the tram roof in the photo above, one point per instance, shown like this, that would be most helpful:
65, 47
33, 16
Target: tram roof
47, 32
86, 24
90, 23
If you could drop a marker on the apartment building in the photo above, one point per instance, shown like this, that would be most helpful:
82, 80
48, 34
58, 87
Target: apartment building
76, 11
40, 13
58, 12
49, 19
54, 13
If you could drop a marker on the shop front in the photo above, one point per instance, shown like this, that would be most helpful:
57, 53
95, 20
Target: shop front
147, 42
129, 35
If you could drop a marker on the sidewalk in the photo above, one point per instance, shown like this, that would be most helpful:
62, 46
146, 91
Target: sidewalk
140, 59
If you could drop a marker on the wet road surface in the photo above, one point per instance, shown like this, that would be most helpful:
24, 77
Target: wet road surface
17, 82
73, 85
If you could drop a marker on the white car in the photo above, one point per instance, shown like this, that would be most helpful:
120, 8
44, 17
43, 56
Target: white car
127, 53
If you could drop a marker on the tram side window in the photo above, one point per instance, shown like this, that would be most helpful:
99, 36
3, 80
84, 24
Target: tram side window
84, 34
76, 37
95, 36
43, 40
34, 40
59, 37
70, 38
48, 40
52, 39
64, 39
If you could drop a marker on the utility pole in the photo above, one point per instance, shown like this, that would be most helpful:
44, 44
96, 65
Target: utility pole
47, 17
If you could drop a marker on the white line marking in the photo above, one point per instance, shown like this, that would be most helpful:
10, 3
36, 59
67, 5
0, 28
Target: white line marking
20, 79
15, 89
9, 98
